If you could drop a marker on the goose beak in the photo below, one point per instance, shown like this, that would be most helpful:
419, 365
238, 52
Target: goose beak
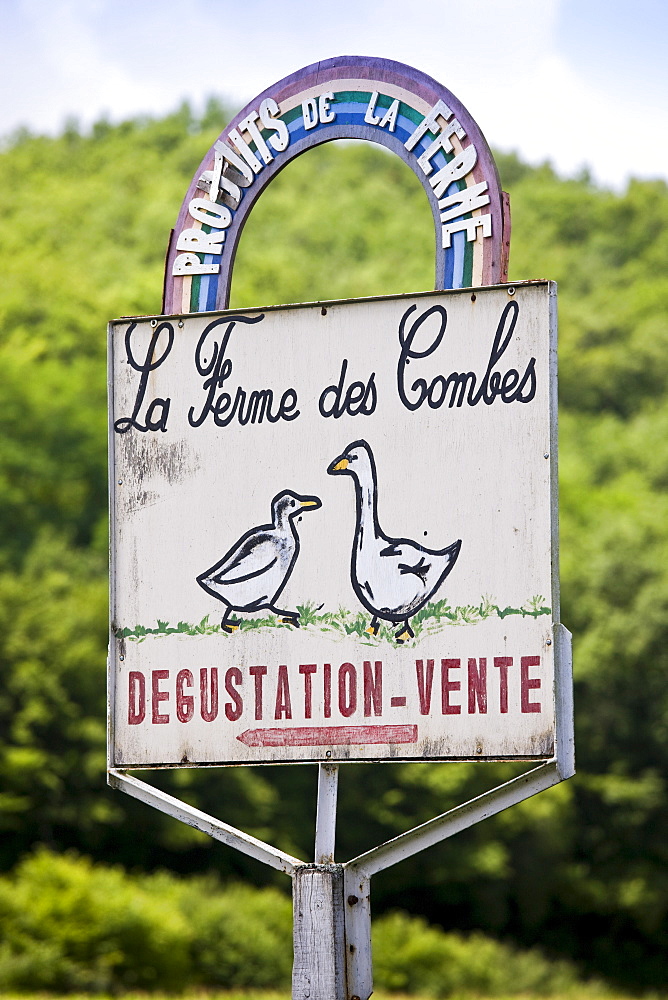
310, 503
338, 465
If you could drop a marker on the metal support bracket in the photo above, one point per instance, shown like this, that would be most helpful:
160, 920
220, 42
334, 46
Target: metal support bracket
215, 828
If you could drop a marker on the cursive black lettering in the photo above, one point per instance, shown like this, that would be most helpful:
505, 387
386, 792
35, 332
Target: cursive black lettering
246, 407
358, 397
458, 388
158, 409
408, 352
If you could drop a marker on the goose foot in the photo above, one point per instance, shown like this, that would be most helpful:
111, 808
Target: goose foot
404, 634
287, 617
229, 625
373, 627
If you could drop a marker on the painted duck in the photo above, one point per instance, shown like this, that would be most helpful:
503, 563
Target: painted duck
392, 577
254, 571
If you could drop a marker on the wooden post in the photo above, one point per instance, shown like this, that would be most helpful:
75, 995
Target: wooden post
325, 817
318, 972
357, 909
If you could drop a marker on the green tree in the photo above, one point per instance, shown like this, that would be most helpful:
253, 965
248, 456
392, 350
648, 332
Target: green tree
580, 869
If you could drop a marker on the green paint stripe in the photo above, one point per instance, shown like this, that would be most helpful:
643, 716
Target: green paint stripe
194, 291
467, 276
412, 114
353, 96
290, 116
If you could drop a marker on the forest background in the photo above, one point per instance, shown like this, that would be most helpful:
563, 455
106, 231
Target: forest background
582, 870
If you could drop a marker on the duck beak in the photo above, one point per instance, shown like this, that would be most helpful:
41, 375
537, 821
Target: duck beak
310, 502
338, 465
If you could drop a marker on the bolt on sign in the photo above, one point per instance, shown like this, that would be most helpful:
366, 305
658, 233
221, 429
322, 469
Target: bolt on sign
334, 531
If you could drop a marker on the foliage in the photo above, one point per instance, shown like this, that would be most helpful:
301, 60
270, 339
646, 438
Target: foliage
66, 924
412, 957
583, 869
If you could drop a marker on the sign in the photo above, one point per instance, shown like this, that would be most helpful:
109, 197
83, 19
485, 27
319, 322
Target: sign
334, 531
350, 97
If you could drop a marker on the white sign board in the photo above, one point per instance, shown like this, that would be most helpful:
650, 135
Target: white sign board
334, 531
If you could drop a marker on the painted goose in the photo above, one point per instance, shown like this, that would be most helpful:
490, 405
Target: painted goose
252, 574
392, 577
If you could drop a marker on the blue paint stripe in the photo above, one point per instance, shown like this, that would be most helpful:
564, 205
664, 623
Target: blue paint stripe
458, 241
352, 113
212, 288
203, 286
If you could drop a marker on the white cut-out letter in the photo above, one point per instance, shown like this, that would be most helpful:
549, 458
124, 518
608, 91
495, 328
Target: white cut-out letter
458, 167
469, 226
326, 114
210, 213
189, 263
200, 242
310, 113
389, 119
429, 123
369, 116
269, 112
246, 152
468, 200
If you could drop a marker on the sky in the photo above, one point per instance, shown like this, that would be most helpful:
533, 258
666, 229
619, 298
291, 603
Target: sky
581, 83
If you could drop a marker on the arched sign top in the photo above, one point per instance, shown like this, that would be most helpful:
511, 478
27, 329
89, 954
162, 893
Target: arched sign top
350, 97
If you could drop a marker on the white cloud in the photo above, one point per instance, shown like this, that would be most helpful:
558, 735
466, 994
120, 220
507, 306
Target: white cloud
499, 57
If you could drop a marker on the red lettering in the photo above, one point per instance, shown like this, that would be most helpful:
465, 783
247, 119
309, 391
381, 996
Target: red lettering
478, 685
258, 673
283, 708
347, 698
327, 692
157, 696
529, 683
424, 684
234, 708
447, 686
307, 669
503, 662
136, 698
373, 688
185, 703
208, 694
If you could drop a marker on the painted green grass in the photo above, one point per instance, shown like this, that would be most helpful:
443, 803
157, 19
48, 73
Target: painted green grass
430, 620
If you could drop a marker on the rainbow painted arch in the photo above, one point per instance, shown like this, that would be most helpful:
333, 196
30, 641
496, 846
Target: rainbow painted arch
350, 97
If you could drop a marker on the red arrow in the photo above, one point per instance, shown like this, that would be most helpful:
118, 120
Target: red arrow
323, 736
